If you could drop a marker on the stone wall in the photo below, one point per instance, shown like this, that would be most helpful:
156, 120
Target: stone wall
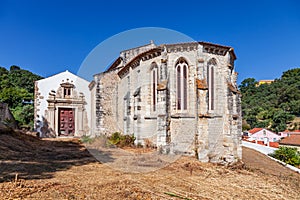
106, 103
125, 101
183, 132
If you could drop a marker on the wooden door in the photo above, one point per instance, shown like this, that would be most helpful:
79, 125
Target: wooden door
66, 122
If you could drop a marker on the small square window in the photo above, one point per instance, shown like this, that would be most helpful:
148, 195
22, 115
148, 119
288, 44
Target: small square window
67, 91
264, 132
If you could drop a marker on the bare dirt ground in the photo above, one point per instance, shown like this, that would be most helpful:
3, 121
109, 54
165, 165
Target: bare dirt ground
64, 169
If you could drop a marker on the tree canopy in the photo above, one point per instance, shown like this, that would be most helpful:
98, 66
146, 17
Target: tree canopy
17, 86
272, 105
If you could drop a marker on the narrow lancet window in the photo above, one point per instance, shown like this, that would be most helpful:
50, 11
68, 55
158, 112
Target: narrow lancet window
155, 76
211, 83
181, 85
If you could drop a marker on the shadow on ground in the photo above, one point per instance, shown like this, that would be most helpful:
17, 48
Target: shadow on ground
32, 158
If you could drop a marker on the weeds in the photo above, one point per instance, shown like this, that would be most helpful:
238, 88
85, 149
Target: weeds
121, 140
86, 139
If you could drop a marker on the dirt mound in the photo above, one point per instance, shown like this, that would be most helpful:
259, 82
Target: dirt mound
31, 157
13, 143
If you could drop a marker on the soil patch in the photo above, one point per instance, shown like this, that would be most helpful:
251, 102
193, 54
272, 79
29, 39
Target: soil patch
64, 169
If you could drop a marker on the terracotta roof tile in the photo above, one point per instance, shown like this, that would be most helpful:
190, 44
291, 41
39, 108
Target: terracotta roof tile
293, 139
295, 131
162, 85
232, 88
255, 130
201, 84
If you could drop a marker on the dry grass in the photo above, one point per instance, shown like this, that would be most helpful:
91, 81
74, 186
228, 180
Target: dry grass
72, 178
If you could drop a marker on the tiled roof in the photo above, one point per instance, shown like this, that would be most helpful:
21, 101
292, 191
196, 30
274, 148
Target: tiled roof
293, 139
255, 130
232, 87
162, 85
295, 131
160, 48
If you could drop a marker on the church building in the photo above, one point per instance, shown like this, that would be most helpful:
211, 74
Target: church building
180, 98
62, 106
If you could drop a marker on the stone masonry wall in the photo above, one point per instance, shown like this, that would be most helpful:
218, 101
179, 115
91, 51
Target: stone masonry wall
183, 136
106, 104
125, 103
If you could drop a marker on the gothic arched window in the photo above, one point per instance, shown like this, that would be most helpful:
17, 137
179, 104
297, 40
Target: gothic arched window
154, 80
181, 84
211, 66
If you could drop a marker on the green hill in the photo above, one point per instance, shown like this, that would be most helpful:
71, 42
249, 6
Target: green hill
274, 105
17, 90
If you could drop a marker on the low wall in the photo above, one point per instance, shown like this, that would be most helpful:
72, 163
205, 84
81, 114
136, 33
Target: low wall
261, 148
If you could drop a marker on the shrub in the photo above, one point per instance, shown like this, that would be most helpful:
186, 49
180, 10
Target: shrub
86, 139
288, 155
121, 140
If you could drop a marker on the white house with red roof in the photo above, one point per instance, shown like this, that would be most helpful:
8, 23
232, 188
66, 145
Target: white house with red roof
263, 136
287, 133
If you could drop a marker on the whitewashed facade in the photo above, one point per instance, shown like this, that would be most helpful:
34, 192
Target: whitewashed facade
62, 106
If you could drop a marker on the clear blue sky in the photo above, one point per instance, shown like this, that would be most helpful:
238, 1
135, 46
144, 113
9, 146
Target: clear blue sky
48, 37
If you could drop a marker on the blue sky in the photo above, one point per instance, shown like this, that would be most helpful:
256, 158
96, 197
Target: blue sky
48, 37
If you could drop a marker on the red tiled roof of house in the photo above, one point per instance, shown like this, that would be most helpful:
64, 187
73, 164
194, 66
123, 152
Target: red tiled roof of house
255, 130
298, 131
295, 131
291, 140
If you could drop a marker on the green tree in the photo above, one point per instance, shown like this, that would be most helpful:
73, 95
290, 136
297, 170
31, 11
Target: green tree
280, 119
17, 85
13, 96
248, 85
14, 68
23, 78
271, 105
24, 115
3, 71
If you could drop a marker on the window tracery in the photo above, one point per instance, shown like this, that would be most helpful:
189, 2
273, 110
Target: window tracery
211, 67
181, 84
154, 77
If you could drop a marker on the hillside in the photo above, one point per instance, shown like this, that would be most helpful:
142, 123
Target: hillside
63, 169
274, 105
17, 90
